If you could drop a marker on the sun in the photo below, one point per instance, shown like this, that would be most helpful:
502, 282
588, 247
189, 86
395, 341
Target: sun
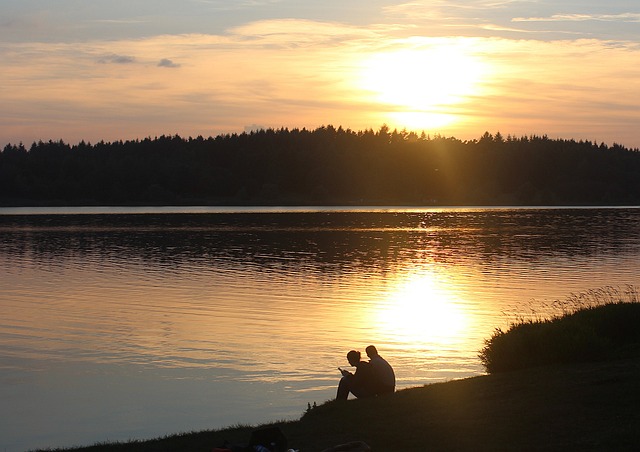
422, 84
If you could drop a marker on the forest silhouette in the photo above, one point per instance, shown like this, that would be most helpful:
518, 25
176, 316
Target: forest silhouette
325, 166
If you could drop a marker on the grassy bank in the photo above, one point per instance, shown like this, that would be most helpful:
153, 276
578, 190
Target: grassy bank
592, 333
575, 406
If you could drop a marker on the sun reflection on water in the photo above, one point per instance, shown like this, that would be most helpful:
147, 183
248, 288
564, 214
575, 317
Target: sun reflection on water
421, 310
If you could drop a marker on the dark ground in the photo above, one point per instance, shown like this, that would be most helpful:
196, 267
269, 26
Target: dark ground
578, 407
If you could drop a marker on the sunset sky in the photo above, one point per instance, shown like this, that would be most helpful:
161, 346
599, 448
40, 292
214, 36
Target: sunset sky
113, 69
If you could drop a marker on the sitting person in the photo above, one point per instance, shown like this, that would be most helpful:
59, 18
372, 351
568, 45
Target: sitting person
382, 370
362, 383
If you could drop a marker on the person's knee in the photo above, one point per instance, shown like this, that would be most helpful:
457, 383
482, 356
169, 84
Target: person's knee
343, 388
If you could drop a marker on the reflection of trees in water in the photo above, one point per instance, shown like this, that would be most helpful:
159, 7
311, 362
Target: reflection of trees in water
333, 241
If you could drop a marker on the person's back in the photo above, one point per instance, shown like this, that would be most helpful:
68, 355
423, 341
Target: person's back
365, 378
383, 371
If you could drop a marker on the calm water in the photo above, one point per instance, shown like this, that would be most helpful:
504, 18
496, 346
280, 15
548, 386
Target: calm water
133, 323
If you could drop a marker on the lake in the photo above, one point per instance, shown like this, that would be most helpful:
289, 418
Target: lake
121, 323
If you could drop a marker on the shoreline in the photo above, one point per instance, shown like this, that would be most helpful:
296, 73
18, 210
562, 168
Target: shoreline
589, 406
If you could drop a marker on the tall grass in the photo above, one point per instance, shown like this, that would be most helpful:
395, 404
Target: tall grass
593, 325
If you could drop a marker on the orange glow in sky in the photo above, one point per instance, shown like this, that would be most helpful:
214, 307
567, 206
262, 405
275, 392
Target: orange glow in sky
420, 84
206, 68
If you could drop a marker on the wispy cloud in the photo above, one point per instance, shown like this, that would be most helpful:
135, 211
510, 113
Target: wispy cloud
449, 8
119, 21
298, 32
509, 18
467, 18
117, 59
624, 17
225, 4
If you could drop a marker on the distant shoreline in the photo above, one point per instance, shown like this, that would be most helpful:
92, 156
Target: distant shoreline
326, 166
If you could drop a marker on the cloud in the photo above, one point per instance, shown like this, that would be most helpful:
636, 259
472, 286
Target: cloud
117, 59
119, 21
538, 20
298, 32
451, 18
625, 17
165, 62
238, 4
254, 128
447, 8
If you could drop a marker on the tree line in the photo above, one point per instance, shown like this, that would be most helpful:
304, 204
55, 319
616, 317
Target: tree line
325, 166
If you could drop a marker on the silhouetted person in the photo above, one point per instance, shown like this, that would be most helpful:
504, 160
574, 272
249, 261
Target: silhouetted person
382, 370
362, 383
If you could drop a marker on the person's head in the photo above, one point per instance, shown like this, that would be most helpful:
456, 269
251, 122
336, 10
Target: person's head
371, 351
353, 357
